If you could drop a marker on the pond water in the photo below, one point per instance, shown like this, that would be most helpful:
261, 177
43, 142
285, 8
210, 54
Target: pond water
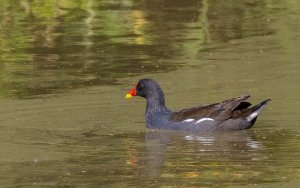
65, 68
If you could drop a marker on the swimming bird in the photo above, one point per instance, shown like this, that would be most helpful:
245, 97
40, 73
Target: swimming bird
231, 114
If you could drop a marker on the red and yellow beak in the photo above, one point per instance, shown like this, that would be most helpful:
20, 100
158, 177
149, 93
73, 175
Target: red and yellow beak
131, 93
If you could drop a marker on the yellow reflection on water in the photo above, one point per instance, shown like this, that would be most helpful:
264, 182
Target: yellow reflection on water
139, 23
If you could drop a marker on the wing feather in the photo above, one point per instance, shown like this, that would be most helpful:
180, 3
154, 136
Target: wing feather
217, 111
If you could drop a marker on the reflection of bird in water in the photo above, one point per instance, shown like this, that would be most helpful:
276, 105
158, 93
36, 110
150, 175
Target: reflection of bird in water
173, 149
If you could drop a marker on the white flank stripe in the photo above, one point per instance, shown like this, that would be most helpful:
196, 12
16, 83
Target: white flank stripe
204, 119
252, 116
188, 120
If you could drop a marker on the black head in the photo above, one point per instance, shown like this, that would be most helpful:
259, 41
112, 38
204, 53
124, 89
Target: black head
146, 88
151, 91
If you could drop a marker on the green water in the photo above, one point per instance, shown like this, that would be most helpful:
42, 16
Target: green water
65, 67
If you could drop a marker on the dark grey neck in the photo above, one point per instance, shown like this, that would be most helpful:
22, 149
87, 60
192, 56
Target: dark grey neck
156, 111
156, 103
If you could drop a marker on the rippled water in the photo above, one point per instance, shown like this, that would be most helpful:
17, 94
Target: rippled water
66, 66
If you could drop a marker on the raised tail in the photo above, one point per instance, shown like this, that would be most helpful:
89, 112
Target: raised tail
255, 110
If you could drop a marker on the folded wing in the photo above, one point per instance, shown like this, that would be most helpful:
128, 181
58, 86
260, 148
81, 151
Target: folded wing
232, 108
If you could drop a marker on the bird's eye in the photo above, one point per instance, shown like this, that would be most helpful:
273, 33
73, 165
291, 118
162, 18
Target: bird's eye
140, 86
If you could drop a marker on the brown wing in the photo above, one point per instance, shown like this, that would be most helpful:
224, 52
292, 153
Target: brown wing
217, 111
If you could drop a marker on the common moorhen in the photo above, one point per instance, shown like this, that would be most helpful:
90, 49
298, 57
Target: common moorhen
232, 114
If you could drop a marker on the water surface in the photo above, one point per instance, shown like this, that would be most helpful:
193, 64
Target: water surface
66, 66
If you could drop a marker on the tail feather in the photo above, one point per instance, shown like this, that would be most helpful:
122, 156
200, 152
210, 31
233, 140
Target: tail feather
232, 104
256, 110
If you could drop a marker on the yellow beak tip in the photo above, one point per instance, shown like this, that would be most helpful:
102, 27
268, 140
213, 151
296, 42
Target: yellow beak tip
128, 95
